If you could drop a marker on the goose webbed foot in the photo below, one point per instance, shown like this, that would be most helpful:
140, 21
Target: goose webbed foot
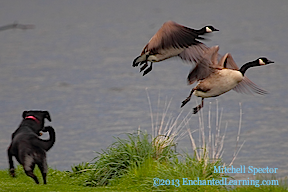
148, 69
188, 98
196, 109
185, 101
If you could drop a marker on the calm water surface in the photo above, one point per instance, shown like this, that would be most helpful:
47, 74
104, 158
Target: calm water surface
76, 64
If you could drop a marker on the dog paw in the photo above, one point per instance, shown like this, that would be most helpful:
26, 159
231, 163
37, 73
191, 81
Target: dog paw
12, 172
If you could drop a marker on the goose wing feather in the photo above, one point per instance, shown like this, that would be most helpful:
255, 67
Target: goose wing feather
193, 53
228, 62
248, 87
205, 66
172, 35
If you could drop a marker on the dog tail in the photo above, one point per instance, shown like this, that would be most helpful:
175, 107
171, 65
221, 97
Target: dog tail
47, 144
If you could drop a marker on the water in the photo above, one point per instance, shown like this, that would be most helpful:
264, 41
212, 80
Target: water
76, 64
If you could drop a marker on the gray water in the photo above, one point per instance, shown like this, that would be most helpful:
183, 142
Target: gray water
76, 64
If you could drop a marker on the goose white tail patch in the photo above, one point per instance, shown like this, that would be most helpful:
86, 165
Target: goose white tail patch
141, 58
261, 62
152, 58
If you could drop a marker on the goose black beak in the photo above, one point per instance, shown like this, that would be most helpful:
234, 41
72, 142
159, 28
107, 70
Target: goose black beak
269, 61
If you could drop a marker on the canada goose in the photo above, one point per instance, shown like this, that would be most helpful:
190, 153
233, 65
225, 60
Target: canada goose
215, 78
171, 40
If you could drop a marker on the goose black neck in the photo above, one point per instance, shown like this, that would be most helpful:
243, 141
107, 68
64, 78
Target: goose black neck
246, 66
201, 31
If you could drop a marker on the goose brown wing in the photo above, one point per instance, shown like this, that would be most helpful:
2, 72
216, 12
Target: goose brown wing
201, 71
228, 62
205, 66
172, 35
248, 87
193, 53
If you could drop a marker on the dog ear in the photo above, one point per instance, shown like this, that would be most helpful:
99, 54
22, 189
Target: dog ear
47, 115
24, 114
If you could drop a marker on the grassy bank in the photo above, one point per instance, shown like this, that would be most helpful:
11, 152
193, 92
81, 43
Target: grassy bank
137, 179
56, 181
131, 164
144, 162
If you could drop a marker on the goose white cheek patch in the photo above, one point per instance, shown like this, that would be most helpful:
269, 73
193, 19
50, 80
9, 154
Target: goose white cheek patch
261, 62
208, 30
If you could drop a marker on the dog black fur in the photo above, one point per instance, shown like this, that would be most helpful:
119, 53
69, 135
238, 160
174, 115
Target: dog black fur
27, 147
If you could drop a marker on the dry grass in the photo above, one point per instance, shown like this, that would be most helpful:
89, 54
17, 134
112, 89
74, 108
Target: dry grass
168, 130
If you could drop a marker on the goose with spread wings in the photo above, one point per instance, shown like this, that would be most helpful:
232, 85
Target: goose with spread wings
216, 77
172, 39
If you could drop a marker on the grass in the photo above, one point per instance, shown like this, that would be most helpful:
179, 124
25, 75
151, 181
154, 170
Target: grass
144, 177
119, 158
137, 179
125, 156
56, 181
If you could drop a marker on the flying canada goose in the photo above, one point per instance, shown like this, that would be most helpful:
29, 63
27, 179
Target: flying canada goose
215, 78
171, 40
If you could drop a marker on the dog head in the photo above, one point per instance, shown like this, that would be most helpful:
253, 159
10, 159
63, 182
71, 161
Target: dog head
38, 117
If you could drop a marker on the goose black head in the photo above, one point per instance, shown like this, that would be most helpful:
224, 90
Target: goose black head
264, 61
258, 62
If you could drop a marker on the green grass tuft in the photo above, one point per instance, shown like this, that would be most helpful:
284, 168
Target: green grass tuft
119, 158
132, 164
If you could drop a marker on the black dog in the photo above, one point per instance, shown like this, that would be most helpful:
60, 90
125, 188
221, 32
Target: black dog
26, 145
